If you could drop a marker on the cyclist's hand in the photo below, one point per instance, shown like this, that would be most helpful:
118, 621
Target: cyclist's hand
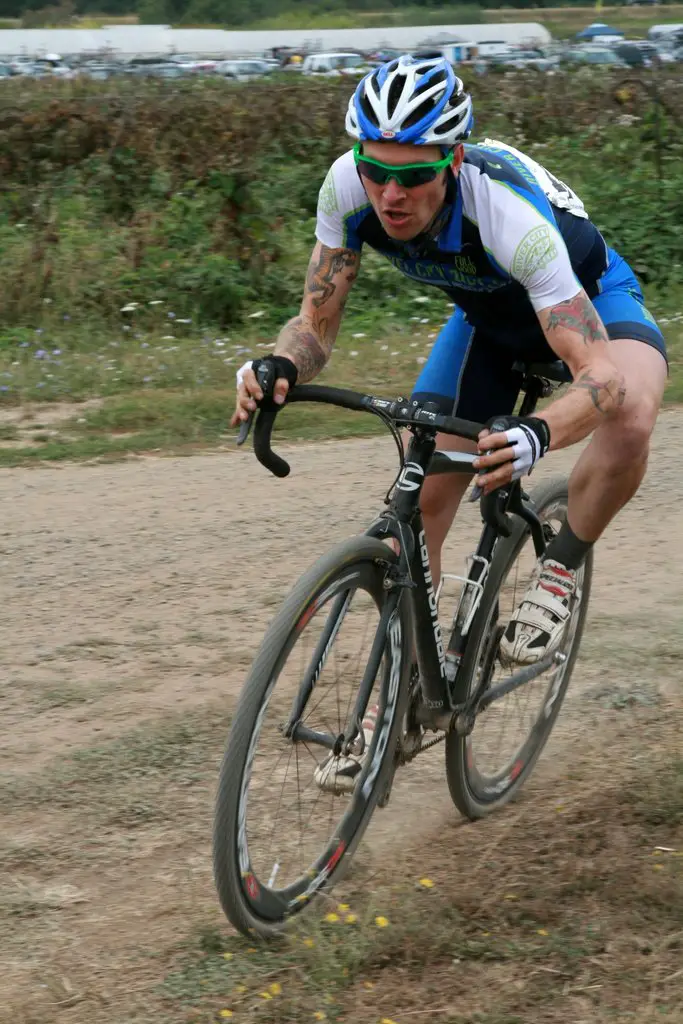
510, 453
255, 381
494, 461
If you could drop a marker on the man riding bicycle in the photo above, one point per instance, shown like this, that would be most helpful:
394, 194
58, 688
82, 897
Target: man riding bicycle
531, 278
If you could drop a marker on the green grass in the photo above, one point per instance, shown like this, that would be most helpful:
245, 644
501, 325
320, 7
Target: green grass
186, 406
561, 22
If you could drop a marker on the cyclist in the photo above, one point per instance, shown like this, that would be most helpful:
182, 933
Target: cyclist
531, 278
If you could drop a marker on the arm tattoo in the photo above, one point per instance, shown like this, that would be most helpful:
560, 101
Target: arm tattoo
319, 280
578, 315
308, 339
606, 395
307, 344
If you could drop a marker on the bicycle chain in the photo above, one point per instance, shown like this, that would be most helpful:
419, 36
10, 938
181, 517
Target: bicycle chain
432, 743
425, 746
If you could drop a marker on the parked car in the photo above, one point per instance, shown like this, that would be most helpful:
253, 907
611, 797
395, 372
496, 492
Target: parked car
524, 59
335, 64
243, 70
594, 55
637, 54
193, 65
98, 70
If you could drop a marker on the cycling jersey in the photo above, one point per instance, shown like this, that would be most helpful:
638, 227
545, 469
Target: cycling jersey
515, 235
514, 240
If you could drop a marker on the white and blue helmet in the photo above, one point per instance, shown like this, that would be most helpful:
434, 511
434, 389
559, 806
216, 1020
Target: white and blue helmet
421, 102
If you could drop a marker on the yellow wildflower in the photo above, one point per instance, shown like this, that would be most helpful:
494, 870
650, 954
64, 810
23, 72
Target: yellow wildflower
350, 919
276, 988
241, 989
387, 1020
426, 883
331, 918
381, 922
309, 943
265, 995
541, 931
226, 1014
343, 907
319, 1015
228, 956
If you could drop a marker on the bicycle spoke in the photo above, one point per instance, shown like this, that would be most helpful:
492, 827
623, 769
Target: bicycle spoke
500, 734
290, 818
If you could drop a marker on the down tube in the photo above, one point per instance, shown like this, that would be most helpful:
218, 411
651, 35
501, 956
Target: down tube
428, 640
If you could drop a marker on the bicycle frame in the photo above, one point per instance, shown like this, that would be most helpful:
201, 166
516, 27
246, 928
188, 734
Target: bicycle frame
402, 521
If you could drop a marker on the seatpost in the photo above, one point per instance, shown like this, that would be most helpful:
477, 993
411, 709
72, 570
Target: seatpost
534, 388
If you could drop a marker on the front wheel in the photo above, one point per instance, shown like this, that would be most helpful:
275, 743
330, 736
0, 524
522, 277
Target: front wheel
486, 768
280, 836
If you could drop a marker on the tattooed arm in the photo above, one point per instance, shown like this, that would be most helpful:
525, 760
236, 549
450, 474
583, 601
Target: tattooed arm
576, 334
308, 339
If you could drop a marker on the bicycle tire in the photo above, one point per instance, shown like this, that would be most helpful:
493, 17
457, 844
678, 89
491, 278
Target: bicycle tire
251, 906
472, 797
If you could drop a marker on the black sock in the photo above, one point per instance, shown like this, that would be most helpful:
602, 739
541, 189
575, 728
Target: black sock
567, 548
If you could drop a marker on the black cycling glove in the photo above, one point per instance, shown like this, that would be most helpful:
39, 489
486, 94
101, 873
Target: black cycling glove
268, 370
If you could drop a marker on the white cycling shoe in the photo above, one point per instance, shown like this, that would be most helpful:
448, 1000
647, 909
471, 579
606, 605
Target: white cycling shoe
537, 625
339, 774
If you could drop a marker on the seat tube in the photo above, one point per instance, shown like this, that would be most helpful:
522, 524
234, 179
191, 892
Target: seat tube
407, 490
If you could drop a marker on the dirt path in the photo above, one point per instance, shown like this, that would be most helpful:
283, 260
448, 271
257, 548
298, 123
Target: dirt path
134, 595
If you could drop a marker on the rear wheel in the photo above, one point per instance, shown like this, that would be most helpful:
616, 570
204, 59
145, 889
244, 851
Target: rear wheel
486, 768
279, 838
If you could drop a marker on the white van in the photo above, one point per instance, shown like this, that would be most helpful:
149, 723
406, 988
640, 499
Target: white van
334, 64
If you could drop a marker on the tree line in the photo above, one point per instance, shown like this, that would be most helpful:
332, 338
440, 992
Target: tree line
234, 13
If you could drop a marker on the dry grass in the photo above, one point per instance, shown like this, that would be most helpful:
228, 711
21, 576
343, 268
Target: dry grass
130, 627
567, 907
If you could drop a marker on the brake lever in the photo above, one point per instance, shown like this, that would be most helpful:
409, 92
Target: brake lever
245, 429
477, 492
265, 375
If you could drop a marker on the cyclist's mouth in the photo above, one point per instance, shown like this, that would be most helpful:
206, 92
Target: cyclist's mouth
397, 218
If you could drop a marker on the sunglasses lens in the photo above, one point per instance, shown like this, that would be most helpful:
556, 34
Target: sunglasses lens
406, 178
372, 171
417, 176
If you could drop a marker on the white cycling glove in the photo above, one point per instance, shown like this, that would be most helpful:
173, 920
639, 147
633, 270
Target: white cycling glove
529, 436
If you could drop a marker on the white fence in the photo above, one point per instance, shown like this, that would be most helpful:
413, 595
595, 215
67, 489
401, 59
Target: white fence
160, 40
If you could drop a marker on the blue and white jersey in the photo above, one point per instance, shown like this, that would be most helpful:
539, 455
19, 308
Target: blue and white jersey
517, 240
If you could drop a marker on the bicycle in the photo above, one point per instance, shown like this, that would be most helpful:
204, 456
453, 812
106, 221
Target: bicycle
378, 586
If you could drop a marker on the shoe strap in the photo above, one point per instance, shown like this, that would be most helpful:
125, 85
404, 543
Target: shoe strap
541, 599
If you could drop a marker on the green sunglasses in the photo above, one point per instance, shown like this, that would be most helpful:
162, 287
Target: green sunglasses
405, 175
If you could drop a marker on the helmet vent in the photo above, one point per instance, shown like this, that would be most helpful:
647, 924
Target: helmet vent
427, 83
447, 126
366, 107
423, 110
395, 93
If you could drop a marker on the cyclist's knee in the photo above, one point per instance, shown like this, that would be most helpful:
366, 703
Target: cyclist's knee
628, 432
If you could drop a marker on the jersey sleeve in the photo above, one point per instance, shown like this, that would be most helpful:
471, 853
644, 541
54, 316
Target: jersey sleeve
518, 231
342, 206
